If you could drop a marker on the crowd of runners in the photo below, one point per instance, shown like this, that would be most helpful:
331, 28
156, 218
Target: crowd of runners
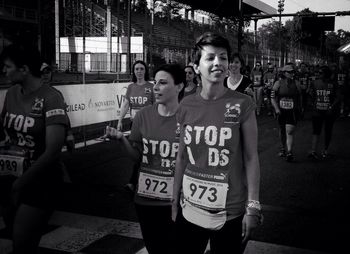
193, 140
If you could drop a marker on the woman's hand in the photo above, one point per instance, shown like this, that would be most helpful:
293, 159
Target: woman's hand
113, 133
174, 210
249, 223
120, 125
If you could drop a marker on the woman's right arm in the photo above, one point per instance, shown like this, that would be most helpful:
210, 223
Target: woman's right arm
114, 133
273, 97
181, 162
123, 110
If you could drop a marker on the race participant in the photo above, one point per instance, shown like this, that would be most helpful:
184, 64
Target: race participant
34, 121
304, 81
138, 94
236, 81
216, 186
286, 100
326, 100
154, 143
257, 77
270, 77
191, 81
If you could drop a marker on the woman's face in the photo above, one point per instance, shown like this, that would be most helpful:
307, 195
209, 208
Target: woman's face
164, 88
13, 73
235, 66
189, 74
213, 64
140, 71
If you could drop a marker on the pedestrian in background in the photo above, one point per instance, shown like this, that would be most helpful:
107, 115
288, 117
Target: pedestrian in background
217, 175
236, 80
286, 100
154, 143
191, 81
257, 76
138, 95
326, 106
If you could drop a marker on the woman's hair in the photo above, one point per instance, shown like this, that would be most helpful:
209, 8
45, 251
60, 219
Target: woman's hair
240, 58
134, 79
178, 74
209, 39
195, 75
23, 55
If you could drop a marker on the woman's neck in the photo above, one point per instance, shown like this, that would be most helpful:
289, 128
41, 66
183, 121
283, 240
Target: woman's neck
168, 109
236, 77
141, 81
212, 91
190, 85
31, 84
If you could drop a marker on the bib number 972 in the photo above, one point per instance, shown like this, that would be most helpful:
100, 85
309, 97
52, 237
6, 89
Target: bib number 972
155, 185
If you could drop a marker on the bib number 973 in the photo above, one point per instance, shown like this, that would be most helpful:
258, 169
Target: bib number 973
201, 191
205, 193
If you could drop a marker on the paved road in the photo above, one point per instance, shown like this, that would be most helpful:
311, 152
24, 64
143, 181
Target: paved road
305, 202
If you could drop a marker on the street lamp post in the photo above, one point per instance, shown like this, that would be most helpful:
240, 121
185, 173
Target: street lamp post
280, 10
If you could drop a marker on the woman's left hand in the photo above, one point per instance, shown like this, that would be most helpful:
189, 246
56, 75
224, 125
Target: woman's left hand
249, 223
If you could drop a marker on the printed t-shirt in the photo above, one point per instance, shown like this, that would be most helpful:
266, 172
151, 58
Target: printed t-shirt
324, 94
25, 117
157, 137
139, 96
210, 132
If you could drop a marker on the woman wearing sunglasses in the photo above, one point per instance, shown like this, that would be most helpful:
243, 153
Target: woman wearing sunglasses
285, 98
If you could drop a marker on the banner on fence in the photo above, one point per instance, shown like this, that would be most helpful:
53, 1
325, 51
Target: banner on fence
90, 103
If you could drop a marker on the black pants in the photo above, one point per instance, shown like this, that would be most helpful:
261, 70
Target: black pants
157, 228
193, 239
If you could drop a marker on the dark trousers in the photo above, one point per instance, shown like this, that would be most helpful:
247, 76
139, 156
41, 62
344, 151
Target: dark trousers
193, 239
157, 228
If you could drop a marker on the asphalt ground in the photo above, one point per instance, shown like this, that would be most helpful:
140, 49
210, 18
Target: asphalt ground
305, 202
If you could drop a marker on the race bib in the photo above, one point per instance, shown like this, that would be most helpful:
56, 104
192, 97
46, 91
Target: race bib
11, 165
286, 103
205, 188
156, 184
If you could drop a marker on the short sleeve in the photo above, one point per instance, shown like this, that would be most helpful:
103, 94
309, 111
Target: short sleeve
55, 111
128, 92
247, 107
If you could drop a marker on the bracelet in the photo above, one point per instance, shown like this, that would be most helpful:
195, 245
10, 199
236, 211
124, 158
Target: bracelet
254, 204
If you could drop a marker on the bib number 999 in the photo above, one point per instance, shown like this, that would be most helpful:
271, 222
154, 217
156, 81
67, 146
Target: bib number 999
8, 165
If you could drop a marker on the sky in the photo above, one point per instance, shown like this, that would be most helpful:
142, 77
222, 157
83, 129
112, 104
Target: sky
292, 6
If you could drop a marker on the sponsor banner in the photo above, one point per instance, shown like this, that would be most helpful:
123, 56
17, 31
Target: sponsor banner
90, 103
